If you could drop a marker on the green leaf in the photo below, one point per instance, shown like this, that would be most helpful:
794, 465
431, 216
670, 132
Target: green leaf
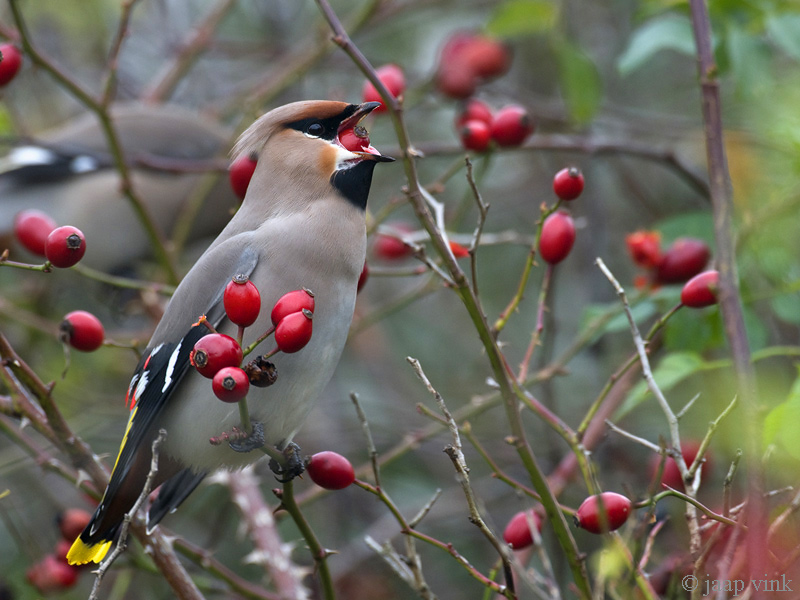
619, 322
670, 32
784, 30
687, 224
672, 370
581, 86
695, 330
780, 425
517, 18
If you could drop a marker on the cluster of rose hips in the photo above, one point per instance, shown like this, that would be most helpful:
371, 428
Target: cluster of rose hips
467, 60
62, 246
683, 262
53, 573
478, 126
219, 356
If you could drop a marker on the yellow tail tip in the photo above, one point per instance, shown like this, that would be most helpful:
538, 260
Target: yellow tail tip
81, 553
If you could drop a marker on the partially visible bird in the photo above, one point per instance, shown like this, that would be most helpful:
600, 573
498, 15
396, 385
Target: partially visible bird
69, 174
302, 224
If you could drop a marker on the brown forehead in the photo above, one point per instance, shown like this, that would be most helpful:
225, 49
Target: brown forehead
315, 110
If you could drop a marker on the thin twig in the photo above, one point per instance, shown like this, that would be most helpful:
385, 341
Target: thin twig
456, 455
122, 540
371, 450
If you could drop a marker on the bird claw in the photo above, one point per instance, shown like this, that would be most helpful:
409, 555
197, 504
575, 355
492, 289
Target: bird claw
253, 441
293, 465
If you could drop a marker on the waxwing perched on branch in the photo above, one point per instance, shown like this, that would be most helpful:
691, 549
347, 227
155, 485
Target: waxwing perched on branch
69, 174
302, 224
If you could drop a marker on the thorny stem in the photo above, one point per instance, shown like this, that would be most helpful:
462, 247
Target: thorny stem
422, 203
318, 553
729, 298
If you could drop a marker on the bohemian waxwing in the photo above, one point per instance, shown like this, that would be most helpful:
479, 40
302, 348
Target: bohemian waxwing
302, 224
69, 174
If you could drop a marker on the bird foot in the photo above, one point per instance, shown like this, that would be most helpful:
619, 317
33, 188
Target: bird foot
292, 466
249, 442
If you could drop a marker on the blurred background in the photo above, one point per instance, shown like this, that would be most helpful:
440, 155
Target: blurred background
613, 90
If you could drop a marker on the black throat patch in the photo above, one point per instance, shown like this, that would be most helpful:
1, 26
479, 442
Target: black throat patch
354, 183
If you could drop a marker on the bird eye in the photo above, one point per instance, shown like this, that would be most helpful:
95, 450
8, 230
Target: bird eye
315, 129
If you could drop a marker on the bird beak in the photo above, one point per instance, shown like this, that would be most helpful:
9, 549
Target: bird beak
369, 152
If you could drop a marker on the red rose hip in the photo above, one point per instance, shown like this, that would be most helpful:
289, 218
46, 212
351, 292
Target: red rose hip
292, 302
672, 476
475, 135
568, 183
294, 331
684, 259
230, 384
356, 139
240, 173
517, 533
82, 330
31, 228
51, 574
701, 290
615, 507
242, 301
486, 57
362, 279
390, 247
393, 79
65, 246
644, 248
330, 470
511, 126
213, 352
474, 110
10, 63
557, 237
72, 521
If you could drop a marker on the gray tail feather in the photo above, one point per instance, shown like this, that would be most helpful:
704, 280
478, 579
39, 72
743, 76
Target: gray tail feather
171, 493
